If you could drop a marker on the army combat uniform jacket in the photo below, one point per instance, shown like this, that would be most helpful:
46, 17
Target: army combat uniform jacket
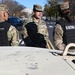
58, 40
41, 25
64, 33
12, 34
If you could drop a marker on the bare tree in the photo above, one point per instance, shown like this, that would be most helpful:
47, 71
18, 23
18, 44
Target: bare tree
14, 6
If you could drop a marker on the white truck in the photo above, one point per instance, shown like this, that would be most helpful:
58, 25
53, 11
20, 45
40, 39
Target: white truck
36, 61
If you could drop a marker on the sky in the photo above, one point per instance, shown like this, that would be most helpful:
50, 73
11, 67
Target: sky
30, 3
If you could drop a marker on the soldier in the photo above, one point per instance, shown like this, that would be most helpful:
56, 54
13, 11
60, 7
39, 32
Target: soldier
8, 34
64, 32
41, 28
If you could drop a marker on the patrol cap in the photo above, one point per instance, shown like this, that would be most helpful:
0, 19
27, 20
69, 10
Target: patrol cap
64, 5
37, 7
3, 7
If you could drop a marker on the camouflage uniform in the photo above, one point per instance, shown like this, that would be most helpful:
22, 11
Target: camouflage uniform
12, 33
13, 36
58, 31
41, 25
42, 28
58, 40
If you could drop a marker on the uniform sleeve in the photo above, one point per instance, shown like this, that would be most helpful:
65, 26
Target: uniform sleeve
46, 33
58, 40
24, 31
13, 36
44, 30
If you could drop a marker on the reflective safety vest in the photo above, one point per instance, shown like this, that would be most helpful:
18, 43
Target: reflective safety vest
4, 27
69, 31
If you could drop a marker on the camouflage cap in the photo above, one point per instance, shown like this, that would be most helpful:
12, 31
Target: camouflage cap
3, 8
64, 5
37, 7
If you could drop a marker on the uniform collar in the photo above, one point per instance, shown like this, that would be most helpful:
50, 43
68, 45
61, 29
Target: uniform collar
36, 20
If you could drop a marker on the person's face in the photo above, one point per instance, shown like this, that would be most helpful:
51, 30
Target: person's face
3, 15
66, 12
66, 15
6, 16
38, 14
